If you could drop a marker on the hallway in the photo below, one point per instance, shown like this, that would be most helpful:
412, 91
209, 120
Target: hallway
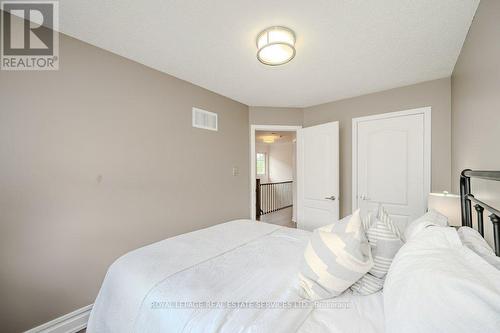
281, 217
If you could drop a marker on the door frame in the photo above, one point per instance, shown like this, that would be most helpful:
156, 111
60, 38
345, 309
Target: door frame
253, 129
427, 113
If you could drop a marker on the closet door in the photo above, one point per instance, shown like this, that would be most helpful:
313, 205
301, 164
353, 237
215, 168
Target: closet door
391, 163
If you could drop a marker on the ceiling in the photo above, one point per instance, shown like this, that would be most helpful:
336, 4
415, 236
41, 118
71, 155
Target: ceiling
345, 48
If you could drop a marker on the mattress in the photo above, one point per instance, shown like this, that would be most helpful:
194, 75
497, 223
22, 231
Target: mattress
239, 276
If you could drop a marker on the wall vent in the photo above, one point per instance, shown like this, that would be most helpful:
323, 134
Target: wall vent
204, 119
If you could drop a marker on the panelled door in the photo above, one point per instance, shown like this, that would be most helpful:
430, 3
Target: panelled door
317, 175
391, 163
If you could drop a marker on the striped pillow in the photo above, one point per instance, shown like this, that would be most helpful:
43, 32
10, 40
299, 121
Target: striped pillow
336, 257
385, 241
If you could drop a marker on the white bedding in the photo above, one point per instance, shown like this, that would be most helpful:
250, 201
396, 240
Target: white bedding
238, 261
436, 284
363, 314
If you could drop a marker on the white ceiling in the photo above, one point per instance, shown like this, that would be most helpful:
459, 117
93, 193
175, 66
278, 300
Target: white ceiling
344, 48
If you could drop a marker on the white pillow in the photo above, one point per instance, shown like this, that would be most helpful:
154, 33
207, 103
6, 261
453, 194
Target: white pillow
435, 284
337, 256
385, 241
474, 241
432, 217
330, 227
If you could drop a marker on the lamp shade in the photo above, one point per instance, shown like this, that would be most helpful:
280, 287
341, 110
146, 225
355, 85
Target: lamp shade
276, 46
448, 205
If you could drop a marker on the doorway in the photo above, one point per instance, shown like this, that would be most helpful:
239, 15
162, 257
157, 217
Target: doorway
273, 173
314, 181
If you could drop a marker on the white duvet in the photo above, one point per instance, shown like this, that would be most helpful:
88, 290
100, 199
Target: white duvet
239, 276
436, 284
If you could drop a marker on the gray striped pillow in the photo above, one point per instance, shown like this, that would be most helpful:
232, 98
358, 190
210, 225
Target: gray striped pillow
336, 257
385, 241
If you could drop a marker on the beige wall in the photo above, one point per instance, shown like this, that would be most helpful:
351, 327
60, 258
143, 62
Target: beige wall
281, 161
434, 93
476, 103
97, 159
275, 116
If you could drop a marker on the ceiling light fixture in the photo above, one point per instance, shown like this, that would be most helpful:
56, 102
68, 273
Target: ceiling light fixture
268, 139
276, 46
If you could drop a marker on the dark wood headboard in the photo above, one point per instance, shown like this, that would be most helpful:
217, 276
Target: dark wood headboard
467, 198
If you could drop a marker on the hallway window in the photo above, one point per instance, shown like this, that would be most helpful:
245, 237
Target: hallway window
261, 163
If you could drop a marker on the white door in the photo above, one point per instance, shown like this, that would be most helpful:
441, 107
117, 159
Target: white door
391, 163
318, 176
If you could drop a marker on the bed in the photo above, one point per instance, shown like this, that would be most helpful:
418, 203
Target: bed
237, 266
237, 276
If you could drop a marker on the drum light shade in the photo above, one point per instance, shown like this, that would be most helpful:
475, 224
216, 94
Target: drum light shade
276, 46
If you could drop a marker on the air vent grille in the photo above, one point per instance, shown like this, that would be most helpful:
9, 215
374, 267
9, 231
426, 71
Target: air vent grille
204, 119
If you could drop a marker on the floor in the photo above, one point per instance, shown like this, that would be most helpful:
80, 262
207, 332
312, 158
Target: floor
281, 217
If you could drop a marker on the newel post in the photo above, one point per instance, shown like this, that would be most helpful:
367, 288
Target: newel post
257, 200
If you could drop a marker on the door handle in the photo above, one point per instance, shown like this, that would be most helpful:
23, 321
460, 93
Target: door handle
331, 198
364, 197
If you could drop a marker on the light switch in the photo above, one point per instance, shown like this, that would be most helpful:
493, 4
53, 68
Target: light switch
236, 171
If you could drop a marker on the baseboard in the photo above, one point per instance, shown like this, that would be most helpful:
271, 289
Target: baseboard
69, 323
